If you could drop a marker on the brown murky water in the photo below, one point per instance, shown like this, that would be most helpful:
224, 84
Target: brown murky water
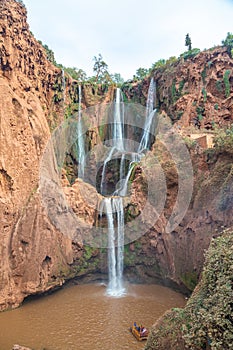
84, 318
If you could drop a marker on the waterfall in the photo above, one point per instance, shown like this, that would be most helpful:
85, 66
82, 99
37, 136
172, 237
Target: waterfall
109, 157
150, 112
118, 123
80, 143
114, 211
113, 206
123, 183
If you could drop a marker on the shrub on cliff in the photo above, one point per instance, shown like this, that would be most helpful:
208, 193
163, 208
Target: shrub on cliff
21, 2
190, 53
228, 42
211, 307
207, 320
223, 140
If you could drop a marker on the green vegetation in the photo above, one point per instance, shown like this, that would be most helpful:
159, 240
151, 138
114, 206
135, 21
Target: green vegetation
49, 53
101, 70
227, 82
188, 42
206, 321
173, 91
210, 310
102, 75
228, 42
203, 75
223, 140
21, 2
219, 85
200, 110
117, 78
141, 73
190, 54
76, 74
86, 264
190, 280
204, 93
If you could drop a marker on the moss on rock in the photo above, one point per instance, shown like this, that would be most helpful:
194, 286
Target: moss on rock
207, 320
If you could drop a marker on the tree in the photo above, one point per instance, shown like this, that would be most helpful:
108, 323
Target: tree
160, 63
100, 68
49, 53
141, 73
117, 78
228, 42
188, 42
77, 74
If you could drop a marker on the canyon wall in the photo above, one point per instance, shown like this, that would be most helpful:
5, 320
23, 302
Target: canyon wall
193, 92
35, 256
35, 98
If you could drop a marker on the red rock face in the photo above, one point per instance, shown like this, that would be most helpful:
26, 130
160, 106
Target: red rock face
35, 256
33, 252
194, 92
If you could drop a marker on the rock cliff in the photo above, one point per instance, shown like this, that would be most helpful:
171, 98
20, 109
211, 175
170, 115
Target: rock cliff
33, 252
196, 91
35, 256
36, 97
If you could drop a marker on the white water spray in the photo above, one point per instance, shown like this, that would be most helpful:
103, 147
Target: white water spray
150, 112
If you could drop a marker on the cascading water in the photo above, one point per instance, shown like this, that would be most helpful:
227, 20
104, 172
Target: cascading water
113, 206
80, 143
114, 210
118, 125
150, 112
109, 157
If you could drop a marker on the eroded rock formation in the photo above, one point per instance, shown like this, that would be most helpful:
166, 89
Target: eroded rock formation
193, 92
35, 256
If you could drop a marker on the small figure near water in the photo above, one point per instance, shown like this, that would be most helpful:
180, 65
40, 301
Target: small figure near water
140, 332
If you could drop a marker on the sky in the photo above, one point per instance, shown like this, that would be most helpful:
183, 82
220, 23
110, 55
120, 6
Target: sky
129, 34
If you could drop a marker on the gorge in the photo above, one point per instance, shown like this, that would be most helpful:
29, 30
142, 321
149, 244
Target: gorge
37, 97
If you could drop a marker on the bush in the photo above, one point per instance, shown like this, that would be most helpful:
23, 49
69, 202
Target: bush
228, 42
21, 2
190, 54
211, 310
223, 141
207, 320
227, 83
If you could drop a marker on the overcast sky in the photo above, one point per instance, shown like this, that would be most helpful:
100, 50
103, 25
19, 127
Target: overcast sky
128, 33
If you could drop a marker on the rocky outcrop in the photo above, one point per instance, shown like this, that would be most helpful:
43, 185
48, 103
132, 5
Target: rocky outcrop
177, 256
35, 97
33, 252
35, 256
197, 91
